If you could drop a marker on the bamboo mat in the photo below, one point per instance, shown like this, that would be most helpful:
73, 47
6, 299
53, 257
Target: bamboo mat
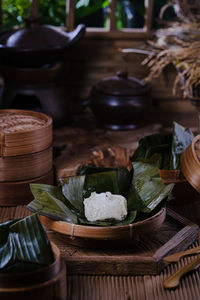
82, 287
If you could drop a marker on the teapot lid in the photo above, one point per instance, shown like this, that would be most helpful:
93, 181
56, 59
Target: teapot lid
121, 85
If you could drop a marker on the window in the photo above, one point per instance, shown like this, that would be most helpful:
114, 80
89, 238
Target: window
111, 18
116, 13
103, 18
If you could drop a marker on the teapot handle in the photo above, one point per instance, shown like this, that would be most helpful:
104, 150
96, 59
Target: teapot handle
76, 34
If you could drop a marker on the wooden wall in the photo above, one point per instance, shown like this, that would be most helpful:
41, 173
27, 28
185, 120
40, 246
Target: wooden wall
93, 59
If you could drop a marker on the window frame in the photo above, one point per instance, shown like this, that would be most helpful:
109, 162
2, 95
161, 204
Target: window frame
111, 32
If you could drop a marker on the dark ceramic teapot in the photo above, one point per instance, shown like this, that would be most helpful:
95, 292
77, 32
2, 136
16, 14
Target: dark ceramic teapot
36, 45
120, 102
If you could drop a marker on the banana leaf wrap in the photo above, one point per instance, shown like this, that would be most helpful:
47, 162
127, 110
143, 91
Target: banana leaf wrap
24, 245
168, 147
141, 186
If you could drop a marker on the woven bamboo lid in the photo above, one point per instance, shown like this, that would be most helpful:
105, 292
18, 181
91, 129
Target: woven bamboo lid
24, 132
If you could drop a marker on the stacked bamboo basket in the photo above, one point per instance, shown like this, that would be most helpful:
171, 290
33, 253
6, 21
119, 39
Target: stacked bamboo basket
25, 154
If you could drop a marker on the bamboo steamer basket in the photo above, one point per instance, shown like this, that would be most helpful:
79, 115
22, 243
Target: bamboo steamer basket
23, 132
19, 193
190, 163
104, 237
24, 167
48, 282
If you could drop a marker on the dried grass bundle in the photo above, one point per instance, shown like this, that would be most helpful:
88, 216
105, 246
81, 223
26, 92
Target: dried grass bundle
186, 60
179, 44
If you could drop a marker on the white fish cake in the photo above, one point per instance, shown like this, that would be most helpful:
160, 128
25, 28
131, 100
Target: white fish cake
103, 206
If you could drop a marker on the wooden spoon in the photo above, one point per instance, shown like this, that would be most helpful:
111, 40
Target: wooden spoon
174, 280
176, 256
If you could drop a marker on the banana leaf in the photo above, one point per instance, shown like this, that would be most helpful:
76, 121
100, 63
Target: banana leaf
72, 189
155, 143
49, 201
168, 146
143, 192
147, 189
24, 245
101, 182
182, 137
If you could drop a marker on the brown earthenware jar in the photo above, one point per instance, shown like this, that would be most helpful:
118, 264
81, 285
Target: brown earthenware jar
120, 102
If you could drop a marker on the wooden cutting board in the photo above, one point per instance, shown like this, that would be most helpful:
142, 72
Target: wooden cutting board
144, 257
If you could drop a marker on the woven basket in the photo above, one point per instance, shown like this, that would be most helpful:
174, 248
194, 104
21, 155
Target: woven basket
23, 132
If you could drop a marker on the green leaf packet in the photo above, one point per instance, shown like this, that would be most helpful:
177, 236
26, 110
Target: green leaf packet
65, 202
24, 245
168, 147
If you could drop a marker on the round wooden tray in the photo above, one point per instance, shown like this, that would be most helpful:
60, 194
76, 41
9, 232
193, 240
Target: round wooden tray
24, 167
23, 132
100, 237
190, 164
18, 192
48, 282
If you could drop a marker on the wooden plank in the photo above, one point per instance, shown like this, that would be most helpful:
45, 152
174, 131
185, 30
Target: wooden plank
148, 15
143, 257
126, 33
70, 14
112, 15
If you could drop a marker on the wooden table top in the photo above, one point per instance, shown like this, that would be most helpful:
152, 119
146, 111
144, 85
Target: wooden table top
79, 140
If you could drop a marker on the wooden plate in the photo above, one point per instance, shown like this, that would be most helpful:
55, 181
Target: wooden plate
24, 132
100, 237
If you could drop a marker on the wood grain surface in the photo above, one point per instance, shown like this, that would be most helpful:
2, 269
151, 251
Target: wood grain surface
108, 287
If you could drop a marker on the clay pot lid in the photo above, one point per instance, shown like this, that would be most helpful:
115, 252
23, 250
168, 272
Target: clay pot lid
190, 163
121, 85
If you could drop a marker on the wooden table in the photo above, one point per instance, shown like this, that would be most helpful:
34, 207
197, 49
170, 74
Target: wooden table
76, 142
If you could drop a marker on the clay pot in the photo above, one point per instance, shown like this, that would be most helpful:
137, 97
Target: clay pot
36, 45
120, 102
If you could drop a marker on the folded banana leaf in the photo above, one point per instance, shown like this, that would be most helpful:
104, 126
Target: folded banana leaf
50, 201
147, 189
168, 146
24, 245
142, 187
158, 143
182, 137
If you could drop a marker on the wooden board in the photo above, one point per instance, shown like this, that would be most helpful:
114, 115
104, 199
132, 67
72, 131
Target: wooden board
144, 257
